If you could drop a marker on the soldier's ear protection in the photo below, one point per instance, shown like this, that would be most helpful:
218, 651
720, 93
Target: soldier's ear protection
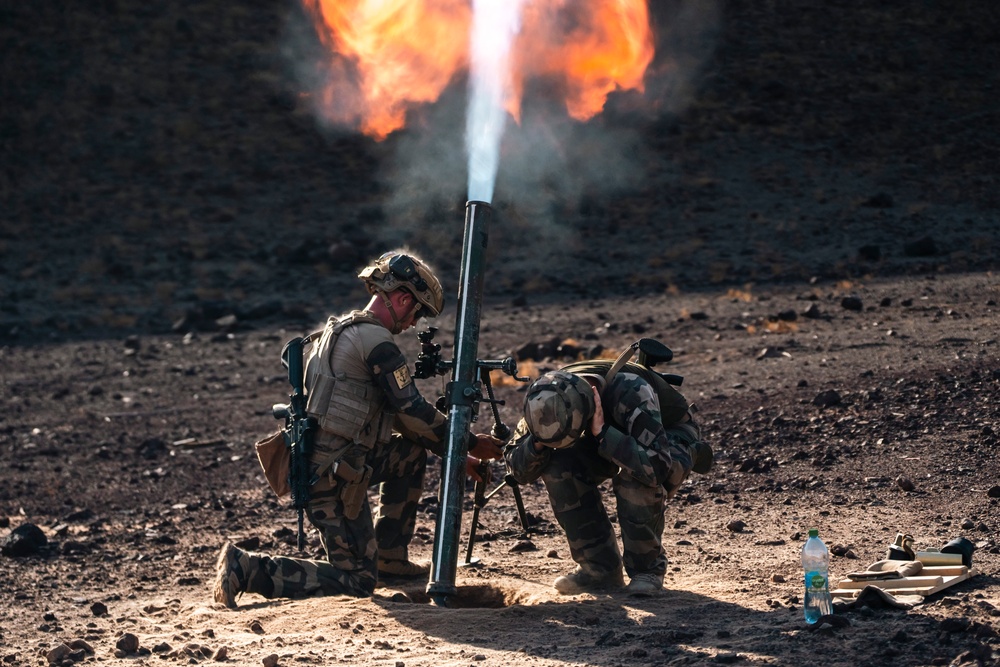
403, 268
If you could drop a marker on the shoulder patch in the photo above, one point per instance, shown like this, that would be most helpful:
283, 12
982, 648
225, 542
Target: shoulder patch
402, 376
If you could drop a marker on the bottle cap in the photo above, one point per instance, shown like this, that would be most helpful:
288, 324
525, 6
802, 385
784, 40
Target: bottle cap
813, 532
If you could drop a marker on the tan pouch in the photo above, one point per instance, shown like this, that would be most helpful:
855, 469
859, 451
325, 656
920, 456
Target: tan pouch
354, 488
275, 459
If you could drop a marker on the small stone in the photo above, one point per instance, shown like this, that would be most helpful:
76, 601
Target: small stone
222, 654
994, 492
24, 540
256, 627
552, 554
523, 545
905, 483
128, 643
736, 526
98, 609
58, 654
838, 549
777, 579
270, 661
78, 644
826, 399
852, 303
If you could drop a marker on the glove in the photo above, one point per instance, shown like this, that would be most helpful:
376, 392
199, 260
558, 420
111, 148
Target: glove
485, 446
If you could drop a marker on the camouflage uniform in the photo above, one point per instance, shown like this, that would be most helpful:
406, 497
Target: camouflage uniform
645, 461
354, 545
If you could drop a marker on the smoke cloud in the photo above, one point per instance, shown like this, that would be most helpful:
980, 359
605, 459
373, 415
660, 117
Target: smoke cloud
545, 164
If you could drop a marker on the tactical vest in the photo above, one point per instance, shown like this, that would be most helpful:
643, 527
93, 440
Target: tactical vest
673, 405
352, 408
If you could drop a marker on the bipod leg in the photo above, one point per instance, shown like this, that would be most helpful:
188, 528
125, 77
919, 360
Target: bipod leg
518, 500
509, 480
479, 501
472, 536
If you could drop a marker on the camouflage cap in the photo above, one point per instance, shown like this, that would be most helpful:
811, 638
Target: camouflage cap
558, 407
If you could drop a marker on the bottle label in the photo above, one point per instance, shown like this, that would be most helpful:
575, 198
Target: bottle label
815, 581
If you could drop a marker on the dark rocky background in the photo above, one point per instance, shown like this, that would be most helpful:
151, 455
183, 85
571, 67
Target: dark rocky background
160, 169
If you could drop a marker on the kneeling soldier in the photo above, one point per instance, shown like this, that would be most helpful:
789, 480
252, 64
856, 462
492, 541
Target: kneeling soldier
374, 429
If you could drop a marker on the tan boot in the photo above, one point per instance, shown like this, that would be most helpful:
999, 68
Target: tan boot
402, 568
232, 572
582, 581
645, 584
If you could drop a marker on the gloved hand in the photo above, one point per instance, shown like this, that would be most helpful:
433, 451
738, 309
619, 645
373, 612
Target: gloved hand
485, 446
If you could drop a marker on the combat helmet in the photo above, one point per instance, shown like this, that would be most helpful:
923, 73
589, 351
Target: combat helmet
558, 408
398, 269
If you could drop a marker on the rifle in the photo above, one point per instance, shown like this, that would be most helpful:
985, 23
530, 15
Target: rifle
298, 432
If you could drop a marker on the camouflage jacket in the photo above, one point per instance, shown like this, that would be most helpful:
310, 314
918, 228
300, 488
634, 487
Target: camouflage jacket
635, 439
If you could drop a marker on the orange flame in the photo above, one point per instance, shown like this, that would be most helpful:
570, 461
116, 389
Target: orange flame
406, 52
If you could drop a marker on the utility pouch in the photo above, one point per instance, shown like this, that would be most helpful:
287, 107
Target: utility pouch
353, 487
275, 460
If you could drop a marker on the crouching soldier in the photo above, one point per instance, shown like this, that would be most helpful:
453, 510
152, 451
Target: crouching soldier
374, 428
592, 421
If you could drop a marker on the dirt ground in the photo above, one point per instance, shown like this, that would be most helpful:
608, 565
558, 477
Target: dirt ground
813, 232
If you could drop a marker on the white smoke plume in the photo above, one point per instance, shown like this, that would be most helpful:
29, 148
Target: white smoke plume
495, 24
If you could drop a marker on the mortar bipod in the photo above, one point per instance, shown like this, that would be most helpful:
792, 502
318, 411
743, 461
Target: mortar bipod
502, 431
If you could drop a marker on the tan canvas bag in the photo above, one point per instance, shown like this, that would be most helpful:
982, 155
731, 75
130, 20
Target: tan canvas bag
275, 459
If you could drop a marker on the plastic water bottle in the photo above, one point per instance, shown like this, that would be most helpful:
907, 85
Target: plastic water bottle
816, 563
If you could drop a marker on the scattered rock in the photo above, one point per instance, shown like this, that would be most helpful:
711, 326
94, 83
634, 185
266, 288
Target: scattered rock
812, 312
270, 661
523, 545
58, 654
852, 303
24, 540
128, 643
994, 492
827, 399
736, 526
905, 483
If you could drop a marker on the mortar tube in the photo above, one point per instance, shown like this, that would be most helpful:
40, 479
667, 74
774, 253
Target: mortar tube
462, 395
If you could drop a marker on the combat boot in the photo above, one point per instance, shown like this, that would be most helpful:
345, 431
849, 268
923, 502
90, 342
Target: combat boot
232, 574
645, 584
401, 567
582, 581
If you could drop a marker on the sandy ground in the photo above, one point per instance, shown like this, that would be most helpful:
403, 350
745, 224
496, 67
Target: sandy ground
811, 227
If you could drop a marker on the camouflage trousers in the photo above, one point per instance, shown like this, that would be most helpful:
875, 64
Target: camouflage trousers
571, 479
352, 546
